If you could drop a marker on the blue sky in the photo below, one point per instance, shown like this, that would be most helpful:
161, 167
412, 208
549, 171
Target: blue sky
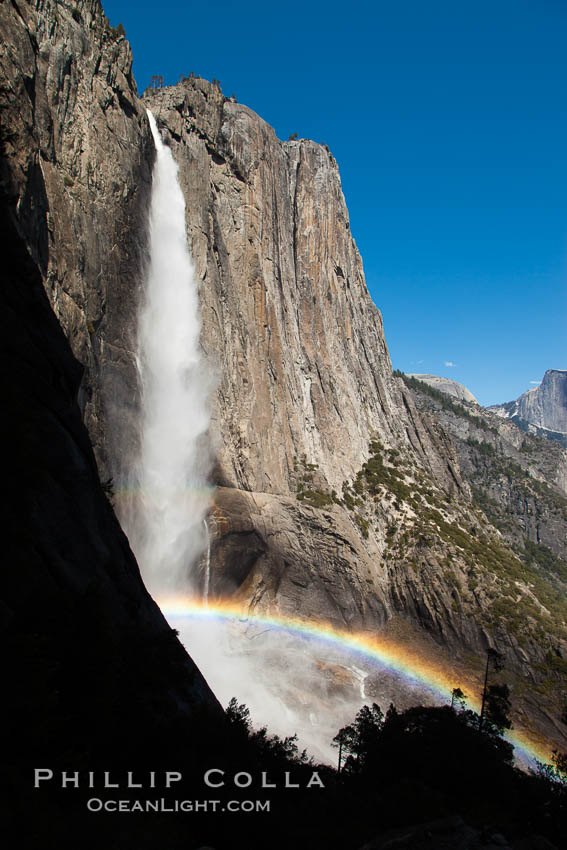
449, 124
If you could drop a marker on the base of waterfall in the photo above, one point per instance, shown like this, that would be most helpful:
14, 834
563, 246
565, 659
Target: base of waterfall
291, 683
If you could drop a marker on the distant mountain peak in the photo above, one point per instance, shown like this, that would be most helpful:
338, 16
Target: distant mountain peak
543, 406
448, 386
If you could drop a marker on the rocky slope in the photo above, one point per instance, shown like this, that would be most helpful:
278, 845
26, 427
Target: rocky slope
518, 479
446, 385
336, 497
543, 408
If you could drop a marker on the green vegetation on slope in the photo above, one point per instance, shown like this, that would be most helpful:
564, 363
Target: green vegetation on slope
444, 400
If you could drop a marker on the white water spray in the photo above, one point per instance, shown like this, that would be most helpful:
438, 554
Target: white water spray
166, 528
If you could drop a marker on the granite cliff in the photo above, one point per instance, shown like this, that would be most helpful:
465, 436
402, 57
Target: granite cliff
336, 496
541, 409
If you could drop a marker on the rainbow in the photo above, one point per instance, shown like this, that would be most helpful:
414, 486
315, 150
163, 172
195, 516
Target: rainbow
401, 660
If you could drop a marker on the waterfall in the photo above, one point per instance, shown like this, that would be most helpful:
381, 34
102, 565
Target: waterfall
361, 676
207, 565
166, 524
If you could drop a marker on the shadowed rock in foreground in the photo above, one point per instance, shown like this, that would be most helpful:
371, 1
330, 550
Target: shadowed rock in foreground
92, 670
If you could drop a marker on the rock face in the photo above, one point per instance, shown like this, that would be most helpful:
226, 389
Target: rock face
446, 385
543, 407
287, 320
79, 154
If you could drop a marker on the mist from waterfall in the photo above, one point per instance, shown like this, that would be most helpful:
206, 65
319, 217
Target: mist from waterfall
165, 521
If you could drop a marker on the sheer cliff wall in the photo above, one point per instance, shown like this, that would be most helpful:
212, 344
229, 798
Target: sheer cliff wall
298, 343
